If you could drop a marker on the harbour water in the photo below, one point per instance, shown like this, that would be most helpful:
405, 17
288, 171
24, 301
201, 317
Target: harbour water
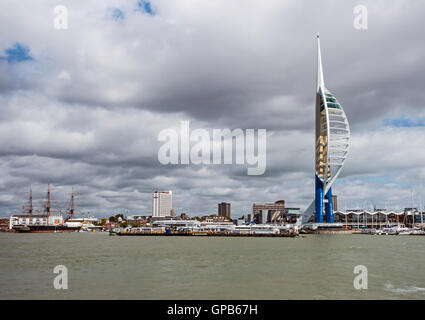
314, 267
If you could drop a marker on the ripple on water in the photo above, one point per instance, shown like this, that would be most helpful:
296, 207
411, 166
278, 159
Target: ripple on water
403, 290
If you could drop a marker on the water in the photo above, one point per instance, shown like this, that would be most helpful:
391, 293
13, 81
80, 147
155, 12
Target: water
315, 267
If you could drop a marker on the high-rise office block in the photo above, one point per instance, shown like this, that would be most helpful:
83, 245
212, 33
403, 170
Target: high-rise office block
224, 209
162, 203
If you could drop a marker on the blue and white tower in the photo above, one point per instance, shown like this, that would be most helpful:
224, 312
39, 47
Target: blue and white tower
332, 144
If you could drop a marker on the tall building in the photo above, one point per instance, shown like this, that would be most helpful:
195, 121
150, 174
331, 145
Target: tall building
278, 206
162, 203
267, 212
332, 144
224, 209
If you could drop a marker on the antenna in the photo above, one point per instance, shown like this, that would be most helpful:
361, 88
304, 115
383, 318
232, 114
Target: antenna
320, 81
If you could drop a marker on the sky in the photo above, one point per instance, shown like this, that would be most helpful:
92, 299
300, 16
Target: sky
83, 106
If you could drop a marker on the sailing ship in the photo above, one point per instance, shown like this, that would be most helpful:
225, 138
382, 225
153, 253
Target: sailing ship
49, 220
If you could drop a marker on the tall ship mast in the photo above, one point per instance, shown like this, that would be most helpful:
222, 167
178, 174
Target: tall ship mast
48, 204
72, 205
30, 208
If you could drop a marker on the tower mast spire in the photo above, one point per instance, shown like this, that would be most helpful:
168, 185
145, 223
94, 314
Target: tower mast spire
320, 81
332, 144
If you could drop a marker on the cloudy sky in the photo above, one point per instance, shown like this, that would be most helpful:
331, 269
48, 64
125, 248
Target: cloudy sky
83, 106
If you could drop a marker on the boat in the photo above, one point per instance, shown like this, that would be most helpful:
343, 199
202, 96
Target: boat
401, 230
388, 231
48, 221
417, 232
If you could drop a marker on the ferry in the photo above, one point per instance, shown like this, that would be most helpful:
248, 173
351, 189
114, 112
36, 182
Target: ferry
194, 228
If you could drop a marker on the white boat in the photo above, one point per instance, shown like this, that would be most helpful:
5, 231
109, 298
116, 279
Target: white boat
403, 231
417, 231
388, 231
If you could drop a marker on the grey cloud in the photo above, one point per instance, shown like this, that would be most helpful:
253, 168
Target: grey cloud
87, 111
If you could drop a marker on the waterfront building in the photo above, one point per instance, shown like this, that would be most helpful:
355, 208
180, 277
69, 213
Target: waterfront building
265, 216
268, 212
85, 220
162, 203
224, 209
291, 215
261, 217
240, 221
379, 218
86, 223
413, 216
110, 225
137, 219
286, 216
331, 148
